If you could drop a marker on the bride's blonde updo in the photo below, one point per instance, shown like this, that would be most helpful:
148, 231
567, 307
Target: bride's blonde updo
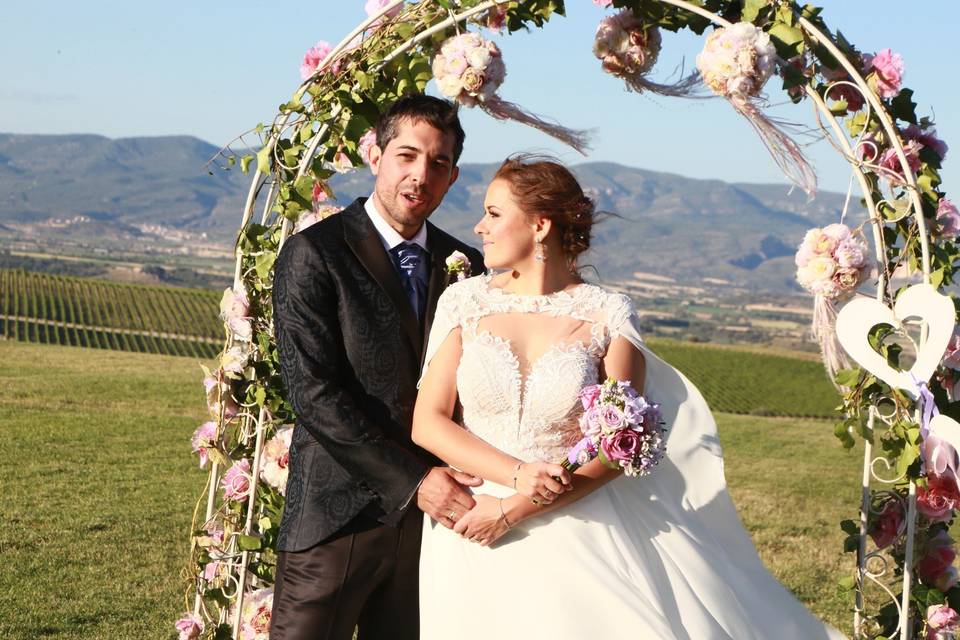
544, 187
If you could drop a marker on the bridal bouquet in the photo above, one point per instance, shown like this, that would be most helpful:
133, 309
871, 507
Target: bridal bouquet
621, 427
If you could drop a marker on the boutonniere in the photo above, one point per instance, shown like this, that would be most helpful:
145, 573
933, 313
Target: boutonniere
458, 264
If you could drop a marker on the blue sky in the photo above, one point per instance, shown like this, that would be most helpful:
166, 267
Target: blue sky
214, 69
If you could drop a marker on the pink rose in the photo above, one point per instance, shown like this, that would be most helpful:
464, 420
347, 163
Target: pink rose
373, 7
886, 525
939, 554
589, 394
847, 279
849, 94
210, 570
948, 218
621, 446
318, 195
603, 3
868, 149
366, 141
940, 617
887, 68
314, 56
472, 80
204, 437
890, 161
850, 254
612, 418
935, 501
590, 423
189, 627
951, 357
236, 481
837, 231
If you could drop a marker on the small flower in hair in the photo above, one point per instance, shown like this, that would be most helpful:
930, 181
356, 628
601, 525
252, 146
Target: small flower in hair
458, 264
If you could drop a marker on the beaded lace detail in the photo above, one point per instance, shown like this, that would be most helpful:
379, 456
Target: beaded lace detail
530, 414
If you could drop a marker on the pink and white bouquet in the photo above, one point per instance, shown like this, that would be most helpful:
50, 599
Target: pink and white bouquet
621, 427
469, 69
628, 48
831, 262
736, 62
235, 312
274, 466
625, 46
255, 615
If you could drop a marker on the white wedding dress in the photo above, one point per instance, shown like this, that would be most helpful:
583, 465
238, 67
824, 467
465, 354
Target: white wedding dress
660, 557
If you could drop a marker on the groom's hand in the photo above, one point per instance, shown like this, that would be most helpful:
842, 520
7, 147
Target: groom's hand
443, 497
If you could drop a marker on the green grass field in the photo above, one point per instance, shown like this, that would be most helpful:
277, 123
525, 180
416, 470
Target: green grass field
50, 309
99, 484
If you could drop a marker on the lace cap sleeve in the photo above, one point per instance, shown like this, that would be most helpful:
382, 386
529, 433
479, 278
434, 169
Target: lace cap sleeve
622, 318
448, 316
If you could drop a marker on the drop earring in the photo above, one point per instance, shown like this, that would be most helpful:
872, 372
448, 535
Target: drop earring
539, 252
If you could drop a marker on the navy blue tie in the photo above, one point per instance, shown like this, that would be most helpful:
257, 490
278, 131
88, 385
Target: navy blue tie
408, 259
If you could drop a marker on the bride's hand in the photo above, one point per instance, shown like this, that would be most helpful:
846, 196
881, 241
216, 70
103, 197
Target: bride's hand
542, 482
484, 524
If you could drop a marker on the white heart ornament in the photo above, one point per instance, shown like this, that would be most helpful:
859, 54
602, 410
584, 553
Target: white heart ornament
939, 461
923, 301
946, 428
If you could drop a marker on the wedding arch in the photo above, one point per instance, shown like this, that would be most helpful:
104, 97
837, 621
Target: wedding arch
903, 583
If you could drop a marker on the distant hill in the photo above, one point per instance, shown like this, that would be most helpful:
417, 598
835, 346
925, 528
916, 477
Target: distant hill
672, 225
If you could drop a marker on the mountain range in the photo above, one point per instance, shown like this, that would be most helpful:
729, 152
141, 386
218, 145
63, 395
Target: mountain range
684, 228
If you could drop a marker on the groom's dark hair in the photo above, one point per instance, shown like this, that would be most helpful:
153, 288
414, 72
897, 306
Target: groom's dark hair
438, 113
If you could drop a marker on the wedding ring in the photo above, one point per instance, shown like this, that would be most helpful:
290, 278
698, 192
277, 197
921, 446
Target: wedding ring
534, 501
452, 514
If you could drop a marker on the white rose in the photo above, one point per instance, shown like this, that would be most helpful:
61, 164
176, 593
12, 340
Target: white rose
479, 57
450, 86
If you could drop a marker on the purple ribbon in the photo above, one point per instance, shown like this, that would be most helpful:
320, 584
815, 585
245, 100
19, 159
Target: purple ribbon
573, 457
928, 406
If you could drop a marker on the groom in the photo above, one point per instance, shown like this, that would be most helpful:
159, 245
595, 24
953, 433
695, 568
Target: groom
354, 297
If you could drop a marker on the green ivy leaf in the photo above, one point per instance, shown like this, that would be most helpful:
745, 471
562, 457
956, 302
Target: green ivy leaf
903, 107
264, 160
843, 434
245, 163
848, 377
850, 527
787, 39
248, 543
752, 8
264, 264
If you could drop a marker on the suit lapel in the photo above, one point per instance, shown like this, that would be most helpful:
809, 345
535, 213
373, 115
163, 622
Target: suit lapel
439, 278
363, 239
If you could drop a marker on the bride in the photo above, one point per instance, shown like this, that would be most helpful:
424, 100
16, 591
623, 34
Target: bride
550, 554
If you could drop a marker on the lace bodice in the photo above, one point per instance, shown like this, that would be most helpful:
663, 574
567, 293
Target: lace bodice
527, 406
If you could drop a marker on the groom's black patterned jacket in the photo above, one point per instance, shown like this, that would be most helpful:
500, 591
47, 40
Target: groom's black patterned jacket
350, 353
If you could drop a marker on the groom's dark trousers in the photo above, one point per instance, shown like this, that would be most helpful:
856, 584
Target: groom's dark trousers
351, 346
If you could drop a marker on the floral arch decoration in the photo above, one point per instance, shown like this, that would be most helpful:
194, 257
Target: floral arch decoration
904, 583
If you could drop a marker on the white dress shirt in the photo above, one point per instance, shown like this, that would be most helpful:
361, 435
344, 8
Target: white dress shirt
388, 235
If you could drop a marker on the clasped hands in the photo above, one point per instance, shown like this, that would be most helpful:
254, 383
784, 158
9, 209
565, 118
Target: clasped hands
443, 495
